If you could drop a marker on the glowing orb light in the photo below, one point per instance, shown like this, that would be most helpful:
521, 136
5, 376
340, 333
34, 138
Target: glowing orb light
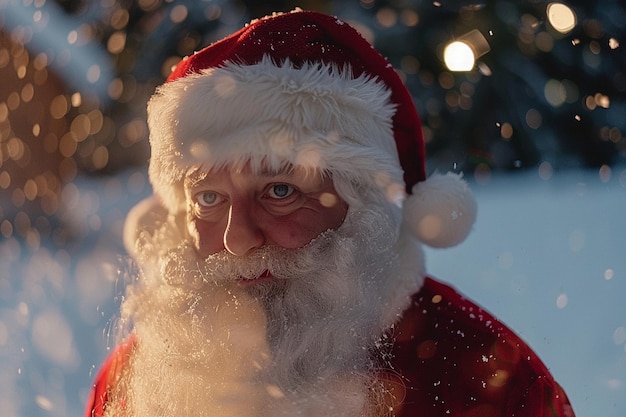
459, 56
561, 17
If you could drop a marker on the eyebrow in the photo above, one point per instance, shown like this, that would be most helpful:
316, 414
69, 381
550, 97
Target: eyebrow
195, 177
288, 170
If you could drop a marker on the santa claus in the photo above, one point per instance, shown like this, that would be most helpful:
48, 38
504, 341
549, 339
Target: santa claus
280, 269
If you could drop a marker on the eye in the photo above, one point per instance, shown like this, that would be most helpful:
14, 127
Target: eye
208, 198
280, 190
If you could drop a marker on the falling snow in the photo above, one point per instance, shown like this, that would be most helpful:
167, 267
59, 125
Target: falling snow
54, 320
546, 255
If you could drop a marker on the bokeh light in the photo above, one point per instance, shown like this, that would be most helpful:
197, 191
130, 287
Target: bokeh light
561, 17
550, 94
462, 53
555, 93
459, 56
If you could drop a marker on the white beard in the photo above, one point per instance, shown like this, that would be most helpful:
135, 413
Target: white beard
302, 344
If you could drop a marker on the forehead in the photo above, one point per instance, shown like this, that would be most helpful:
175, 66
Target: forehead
287, 171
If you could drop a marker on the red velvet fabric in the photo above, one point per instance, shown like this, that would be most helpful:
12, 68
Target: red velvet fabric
455, 359
450, 358
107, 378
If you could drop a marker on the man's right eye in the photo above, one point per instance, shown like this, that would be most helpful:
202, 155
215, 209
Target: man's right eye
208, 198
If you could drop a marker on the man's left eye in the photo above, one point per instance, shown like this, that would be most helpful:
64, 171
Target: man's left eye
280, 191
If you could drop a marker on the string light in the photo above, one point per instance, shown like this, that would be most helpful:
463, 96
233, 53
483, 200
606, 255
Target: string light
462, 53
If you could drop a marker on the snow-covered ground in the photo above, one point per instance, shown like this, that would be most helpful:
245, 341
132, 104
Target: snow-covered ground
547, 256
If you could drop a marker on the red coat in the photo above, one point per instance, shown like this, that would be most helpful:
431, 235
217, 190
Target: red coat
450, 359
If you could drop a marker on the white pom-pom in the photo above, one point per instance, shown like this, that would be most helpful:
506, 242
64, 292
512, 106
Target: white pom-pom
441, 211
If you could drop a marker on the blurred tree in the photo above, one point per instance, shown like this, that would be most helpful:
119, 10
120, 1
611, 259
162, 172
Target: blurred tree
145, 39
538, 95
33, 142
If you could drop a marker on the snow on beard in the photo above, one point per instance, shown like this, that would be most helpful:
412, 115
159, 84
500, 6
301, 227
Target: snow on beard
301, 343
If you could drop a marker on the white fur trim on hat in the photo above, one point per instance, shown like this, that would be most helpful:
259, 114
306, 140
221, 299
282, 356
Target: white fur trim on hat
317, 116
441, 211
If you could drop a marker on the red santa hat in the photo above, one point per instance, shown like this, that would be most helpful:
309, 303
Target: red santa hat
307, 89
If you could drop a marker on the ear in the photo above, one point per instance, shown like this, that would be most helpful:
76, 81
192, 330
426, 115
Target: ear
146, 217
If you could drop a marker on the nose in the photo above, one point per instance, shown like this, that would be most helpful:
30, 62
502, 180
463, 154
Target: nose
242, 233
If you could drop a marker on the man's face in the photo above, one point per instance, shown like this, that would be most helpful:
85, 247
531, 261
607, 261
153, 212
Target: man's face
309, 333
240, 211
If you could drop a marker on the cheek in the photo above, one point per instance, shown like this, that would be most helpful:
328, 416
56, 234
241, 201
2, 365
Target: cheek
336, 214
206, 236
291, 235
297, 230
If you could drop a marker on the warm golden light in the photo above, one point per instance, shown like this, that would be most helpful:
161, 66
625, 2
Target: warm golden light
462, 53
555, 92
561, 17
459, 56
179, 13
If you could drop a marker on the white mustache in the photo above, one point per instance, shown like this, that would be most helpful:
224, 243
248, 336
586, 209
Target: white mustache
223, 266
